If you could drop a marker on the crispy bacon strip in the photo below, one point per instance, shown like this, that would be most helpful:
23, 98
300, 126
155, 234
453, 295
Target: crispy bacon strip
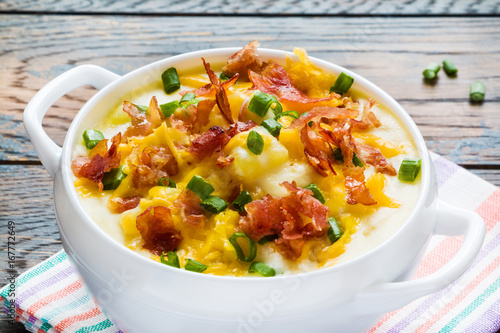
194, 117
190, 210
154, 163
318, 151
220, 93
273, 79
357, 192
203, 110
240, 127
373, 156
368, 118
119, 205
142, 123
290, 248
209, 90
324, 112
99, 161
263, 218
158, 230
243, 60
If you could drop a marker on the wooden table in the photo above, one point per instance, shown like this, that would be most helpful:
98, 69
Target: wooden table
389, 44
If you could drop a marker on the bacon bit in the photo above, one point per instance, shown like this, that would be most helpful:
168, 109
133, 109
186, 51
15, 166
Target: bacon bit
102, 161
324, 112
208, 90
190, 209
274, 79
240, 127
357, 192
224, 161
290, 248
119, 205
220, 93
243, 60
157, 230
194, 117
154, 163
368, 118
263, 218
318, 151
142, 124
203, 110
373, 156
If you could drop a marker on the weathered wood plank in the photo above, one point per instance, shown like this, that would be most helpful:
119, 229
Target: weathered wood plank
391, 52
283, 7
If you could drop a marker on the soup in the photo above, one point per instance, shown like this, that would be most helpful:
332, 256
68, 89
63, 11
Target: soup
248, 168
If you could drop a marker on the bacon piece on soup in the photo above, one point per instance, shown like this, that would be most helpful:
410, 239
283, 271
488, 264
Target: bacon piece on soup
357, 192
142, 123
290, 248
224, 161
194, 117
152, 164
368, 118
190, 209
243, 60
240, 127
264, 217
209, 142
328, 112
119, 205
157, 230
373, 156
100, 160
318, 151
220, 93
203, 110
209, 90
273, 79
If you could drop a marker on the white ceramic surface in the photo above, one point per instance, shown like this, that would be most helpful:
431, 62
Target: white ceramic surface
142, 295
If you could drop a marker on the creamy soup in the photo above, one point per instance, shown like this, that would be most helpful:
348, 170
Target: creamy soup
248, 168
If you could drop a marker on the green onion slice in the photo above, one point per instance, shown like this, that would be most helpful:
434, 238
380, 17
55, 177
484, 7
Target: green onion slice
187, 97
169, 108
267, 239
113, 178
169, 182
337, 154
342, 84
335, 231
262, 269
356, 161
252, 247
92, 138
316, 192
223, 76
241, 200
409, 169
170, 80
276, 105
477, 91
431, 71
255, 142
141, 108
172, 259
292, 114
194, 266
214, 204
449, 67
272, 126
200, 186
260, 103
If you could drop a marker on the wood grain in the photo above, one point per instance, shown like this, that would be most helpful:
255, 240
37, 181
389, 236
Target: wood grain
391, 52
254, 7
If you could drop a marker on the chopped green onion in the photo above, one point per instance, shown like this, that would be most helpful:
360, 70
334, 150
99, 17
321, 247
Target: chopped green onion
304, 114
141, 108
113, 178
292, 114
252, 247
241, 200
342, 84
169, 108
431, 71
335, 231
316, 192
272, 126
260, 103
170, 182
337, 154
266, 239
449, 67
262, 269
477, 90
409, 169
172, 259
214, 204
276, 105
170, 80
356, 161
92, 138
200, 186
310, 123
255, 142
187, 97
223, 76
194, 266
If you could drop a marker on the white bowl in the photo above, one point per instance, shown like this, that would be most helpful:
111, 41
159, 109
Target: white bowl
141, 295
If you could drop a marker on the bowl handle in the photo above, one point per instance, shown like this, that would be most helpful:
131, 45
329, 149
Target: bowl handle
452, 221
47, 150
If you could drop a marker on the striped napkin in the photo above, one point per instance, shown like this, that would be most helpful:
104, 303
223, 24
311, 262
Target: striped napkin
50, 297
